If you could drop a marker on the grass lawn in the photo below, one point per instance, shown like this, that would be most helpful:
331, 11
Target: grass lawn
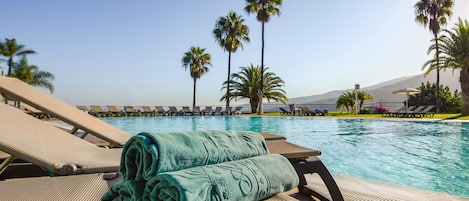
341, 114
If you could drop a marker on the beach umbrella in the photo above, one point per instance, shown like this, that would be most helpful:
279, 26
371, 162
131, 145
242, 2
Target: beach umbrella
407, 92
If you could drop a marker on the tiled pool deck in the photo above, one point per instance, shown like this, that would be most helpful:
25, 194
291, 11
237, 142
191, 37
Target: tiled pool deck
354, 188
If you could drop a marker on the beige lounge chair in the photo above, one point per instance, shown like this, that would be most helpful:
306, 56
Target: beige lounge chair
70, 188
14, 89
83, 108
115, 111
148, 111
50, 148
160, 110
98, 111
131, 111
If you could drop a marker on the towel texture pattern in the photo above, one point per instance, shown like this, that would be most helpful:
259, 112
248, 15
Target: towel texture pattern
145, 155
248, 179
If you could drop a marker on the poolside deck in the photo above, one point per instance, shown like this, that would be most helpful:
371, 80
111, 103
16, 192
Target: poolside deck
354, 189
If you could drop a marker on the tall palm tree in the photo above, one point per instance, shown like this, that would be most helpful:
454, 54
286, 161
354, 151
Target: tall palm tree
264, 9
455, 54
197, 61
230, 32
32, 75
434, 13
246, 85
10, 49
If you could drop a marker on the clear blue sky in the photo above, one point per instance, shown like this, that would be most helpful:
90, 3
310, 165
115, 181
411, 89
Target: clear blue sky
129, 52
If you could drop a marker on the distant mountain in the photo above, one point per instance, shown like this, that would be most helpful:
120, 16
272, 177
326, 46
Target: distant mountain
382, 92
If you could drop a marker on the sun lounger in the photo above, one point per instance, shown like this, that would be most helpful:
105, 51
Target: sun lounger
15, 89
173, 111
148, 111
207, 111
196, 110
412, 112
306, 111
115, 111
98, 111
186, 111
227, 111
217, 111
391, 113
295, 110
83, 108
305, 161
160, 110
237, 110
426, 111
34, 112
402, 112
70, 188
131, 111
284, 111
51, 148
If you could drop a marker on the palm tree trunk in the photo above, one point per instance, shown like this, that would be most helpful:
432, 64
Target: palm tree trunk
193, 97
10, 66
464, 80
253, 105
261, 87
437, 92
228, 81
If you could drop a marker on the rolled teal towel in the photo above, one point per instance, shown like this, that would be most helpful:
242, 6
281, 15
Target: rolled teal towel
126, 190
145, 154
248, 179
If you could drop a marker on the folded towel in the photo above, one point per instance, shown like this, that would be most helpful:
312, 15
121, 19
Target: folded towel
248, 179
145, 154
125, 190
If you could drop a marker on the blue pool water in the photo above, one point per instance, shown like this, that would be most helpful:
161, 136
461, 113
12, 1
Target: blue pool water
426, 155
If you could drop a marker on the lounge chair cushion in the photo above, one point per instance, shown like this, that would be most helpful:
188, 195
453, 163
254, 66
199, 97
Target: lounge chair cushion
145, 154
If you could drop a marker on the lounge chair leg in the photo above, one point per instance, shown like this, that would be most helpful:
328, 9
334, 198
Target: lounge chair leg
5, 163
314, 165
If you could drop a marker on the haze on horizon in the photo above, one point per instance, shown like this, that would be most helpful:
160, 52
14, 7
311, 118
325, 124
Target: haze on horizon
126, 53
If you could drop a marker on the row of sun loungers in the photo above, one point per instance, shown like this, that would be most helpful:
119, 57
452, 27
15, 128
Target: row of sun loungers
301, 111
40, 161
412, 112
114, 111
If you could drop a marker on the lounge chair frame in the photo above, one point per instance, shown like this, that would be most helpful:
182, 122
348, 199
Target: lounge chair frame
14, 89
49, 147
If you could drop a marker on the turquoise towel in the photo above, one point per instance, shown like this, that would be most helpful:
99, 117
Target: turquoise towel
126, 190
146, 155
248, 179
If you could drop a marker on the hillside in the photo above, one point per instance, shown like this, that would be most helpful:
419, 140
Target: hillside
382, 92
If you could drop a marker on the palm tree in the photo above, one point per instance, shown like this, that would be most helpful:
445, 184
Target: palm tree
230, 32
246, 85
197, 61
347, 99
362, 97
455, 54
434, 13
32, 75
10, 49
264, 9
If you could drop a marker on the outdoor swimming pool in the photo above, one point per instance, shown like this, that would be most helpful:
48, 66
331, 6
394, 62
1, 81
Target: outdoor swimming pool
426, 155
